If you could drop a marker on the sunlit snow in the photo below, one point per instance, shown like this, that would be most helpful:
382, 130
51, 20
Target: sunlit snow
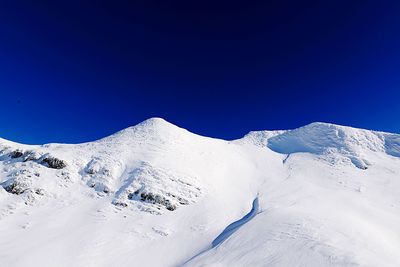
157, 195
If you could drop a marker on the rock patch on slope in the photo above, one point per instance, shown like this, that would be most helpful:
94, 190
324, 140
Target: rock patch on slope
154, 189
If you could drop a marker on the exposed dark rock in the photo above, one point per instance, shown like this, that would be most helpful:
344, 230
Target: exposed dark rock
48, 161
181, 200
54, 163
90, 171
14, 188
106, 190
107, 172
121, 204
94, 169
152, 198
39, 191
16, 154
170, 207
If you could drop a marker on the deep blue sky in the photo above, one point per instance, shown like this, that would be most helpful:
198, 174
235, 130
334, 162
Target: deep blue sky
73, 71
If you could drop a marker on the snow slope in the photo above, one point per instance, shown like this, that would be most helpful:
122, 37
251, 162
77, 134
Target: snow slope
157, 195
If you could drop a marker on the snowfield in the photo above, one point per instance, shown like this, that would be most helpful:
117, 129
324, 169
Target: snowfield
157, 195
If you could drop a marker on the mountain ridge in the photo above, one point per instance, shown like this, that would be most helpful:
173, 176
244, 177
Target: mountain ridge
155, 194
155, 124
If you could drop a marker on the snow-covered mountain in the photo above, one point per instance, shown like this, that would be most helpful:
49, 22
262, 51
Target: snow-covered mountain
157, 195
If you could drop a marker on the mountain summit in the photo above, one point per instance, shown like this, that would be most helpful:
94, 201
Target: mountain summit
157, 195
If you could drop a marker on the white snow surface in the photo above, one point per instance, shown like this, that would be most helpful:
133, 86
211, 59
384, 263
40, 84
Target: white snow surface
157, 195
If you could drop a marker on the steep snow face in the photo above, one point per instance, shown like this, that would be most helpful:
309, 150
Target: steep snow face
157, 195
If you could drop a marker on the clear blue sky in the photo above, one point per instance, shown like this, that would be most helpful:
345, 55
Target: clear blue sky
78, 71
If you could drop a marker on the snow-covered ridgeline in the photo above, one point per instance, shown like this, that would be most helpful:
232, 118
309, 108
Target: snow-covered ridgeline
157, 195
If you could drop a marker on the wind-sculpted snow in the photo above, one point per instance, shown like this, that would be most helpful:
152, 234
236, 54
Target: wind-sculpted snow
155, 195
226, 233
392, 144
233, 227
324, 138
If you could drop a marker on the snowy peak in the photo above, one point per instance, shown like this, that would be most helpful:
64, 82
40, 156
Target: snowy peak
153, 124
127, 166
151, 129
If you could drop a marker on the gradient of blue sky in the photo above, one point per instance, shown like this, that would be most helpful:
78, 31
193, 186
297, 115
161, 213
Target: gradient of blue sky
77, 71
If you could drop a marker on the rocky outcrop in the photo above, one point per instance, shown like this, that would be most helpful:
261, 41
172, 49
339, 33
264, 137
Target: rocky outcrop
14, 187
45, 160
16, 154
53, 162
153, 198
153, 189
